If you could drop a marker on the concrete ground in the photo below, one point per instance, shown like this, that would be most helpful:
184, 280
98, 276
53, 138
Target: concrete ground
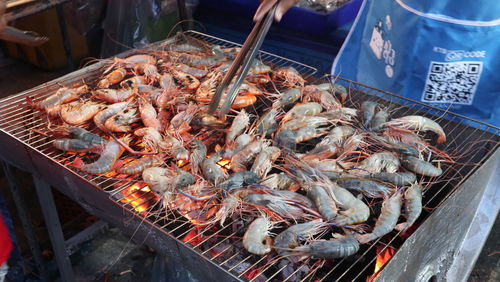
96, 259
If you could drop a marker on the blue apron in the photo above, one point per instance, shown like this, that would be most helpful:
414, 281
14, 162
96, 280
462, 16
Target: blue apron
445, 53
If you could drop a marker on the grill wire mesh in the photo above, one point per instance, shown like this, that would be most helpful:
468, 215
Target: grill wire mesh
469, 145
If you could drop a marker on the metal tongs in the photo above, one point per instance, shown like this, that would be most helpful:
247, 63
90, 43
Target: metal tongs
28, 38
242, 62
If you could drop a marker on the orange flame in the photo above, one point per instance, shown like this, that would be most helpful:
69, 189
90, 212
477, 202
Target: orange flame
135, 195
382, 258
193, 237
224, 163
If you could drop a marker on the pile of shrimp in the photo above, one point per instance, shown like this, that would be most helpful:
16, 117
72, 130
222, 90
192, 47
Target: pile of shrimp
290, 157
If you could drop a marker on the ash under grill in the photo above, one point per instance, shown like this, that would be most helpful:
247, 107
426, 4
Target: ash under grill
219, 248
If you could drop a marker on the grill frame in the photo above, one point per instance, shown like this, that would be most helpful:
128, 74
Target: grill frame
104, 202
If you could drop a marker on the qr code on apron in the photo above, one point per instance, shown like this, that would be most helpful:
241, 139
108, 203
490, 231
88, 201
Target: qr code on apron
454, 82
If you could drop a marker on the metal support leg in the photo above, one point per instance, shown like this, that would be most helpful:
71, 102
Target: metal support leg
54, 228
25, 218
65, 38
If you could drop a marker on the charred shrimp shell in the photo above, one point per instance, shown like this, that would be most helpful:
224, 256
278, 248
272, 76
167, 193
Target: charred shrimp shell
239, 179
368, 187
396, 178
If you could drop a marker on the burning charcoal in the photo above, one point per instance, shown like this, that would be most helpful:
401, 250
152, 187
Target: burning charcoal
225, 247
288, 273
241, 267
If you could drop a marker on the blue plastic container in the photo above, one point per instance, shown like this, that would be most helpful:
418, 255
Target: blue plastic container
296, 18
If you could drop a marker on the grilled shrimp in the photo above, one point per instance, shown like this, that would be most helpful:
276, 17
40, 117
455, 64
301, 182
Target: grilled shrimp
264, 161
157, 178
148, 114
396, 178
267, 124
304, 121
75, 145
182, 179
198, 73
352, 209
242, 101
257, 232
113, 95
150, 71
412, 206
138, 165
341, 91
293, 196
369, 188
167, 82
197, 155
343, 114
63, 95
248, 89
280, 181
109, 155
134, 82
289, 76
77, 112
304, 109
186, 80
419, 123
378, 162
179, 124
326, 99
368, 109
258, 67
421, 167
239, 143
287, 97
239, 179
112, 78
286, 139
377, 123
308, 133
280, 205
176, 148
152, 138
206, 90
131, 61
324, 203
240, 160
84, 135
397, 146
330, 249
239, 124
212, 171
291, 237
121, 121
101, 117
328, 146
386, 221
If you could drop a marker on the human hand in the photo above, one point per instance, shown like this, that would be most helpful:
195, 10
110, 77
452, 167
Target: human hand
266, 5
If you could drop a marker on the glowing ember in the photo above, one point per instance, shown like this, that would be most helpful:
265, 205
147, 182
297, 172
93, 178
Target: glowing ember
224, 163
139, 197
382, 258
181, 163
193, 237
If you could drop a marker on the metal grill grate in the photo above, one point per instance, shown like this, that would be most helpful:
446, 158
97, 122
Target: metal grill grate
220, 245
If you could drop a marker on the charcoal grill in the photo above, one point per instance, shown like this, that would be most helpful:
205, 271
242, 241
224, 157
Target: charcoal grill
460, 209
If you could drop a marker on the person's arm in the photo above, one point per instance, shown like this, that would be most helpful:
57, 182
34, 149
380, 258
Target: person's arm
266, 5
